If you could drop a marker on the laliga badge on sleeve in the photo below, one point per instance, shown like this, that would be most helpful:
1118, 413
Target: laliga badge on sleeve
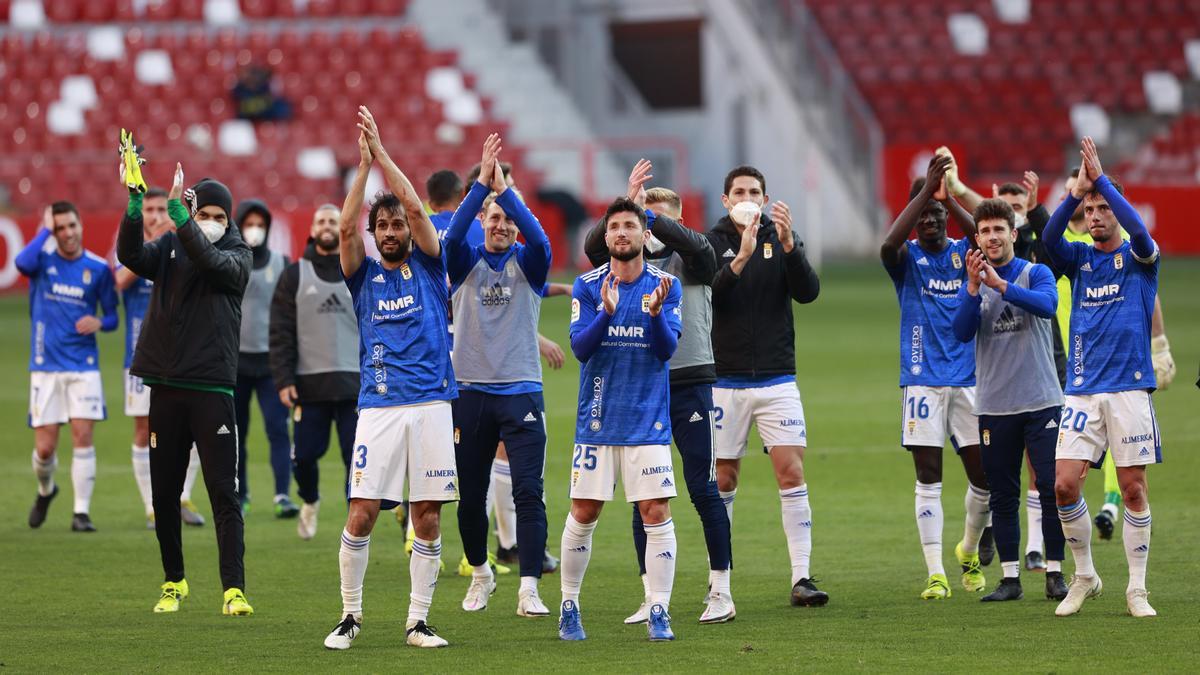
405, 272
1118, 261
768, 251
957, 260
574, 310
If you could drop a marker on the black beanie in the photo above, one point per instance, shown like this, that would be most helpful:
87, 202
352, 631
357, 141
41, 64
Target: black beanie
208, 192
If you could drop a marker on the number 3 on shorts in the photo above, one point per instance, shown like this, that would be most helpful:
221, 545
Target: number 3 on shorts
361, 462
588, 454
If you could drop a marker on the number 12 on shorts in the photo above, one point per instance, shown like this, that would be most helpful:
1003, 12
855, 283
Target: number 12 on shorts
586, 453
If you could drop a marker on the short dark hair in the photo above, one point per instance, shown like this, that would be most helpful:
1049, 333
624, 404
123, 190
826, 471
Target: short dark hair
1012, 189
473, 174
156, 192
383, 201
63, 207
917, 185
744, 170
624, 205
1115, 183
443, 187
1074, 173
995, 209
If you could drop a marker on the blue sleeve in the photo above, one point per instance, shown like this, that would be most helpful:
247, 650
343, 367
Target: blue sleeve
460, 255
665, 328
545, 290
534, 257
28, 261
108, 301
355, 281
588, 325
1139, 237
1041, 298
897, 272
966, 317
1059, 250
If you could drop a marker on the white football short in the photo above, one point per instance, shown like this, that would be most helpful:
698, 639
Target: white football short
413, 442
930, 414
776, 411
58, 397
1122, 422
645, 472
137, 396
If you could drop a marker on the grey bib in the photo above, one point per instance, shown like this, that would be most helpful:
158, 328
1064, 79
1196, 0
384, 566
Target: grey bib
326, 327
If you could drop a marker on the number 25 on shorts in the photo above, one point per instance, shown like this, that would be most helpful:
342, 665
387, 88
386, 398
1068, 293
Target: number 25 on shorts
586, 453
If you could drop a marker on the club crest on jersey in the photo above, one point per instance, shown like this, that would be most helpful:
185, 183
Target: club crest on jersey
405, 271
87, 276
574, 309
768, 251
987, 437
646, 303
957, 260
1118, 261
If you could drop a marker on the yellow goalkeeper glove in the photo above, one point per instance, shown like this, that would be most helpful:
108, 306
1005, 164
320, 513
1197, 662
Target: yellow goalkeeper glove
131, 163
1164, 365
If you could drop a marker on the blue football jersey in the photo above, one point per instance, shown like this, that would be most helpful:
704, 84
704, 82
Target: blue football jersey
441, 223
1112, 301
136, 298
927, 287
624, 388
61, 292
404, 348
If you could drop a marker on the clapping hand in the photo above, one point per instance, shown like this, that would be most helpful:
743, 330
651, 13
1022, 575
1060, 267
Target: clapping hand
610, 293
659, 295
636, 189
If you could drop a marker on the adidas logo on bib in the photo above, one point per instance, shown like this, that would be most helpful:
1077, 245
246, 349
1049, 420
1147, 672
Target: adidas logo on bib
530, 418
695, 417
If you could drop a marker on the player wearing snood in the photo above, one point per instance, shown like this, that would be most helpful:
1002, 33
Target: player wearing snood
187, 353
254, 367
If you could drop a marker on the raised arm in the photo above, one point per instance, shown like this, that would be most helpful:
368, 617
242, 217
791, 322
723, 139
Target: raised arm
1140, 240
352, 251
892, 251
699, 259
970, 199
227, 270
460, 256
424, 234
29, 260
139, 257
965, 220
534, 257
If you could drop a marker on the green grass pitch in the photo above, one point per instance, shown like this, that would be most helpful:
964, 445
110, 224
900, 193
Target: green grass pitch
74, 603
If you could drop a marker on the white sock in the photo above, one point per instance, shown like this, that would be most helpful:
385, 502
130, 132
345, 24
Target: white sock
506, 509
576, 551
1012, 569
482, 572
645, 587
352, 559
1136, 535
728, 497
141, 473
83, 477
190, 479
423, 573
720, 581
1033, 521
1077, 528
660, 561
1054, 566
797, 526
979, 514
529, 584
43, 470
930, 521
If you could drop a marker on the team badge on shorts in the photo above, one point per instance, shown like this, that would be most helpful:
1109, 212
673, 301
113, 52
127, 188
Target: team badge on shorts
456, 435
574, 477
646, 303
768, 251
358, 476
957, 260
153, 440
405, 271
1118, 261
912, 427
987, 437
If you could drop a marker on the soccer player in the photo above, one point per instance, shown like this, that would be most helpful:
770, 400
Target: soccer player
314, 358
135, 295
405, 432
762, 269
688, 256
254, 367
1007, 309
937, 372
1111, 373
187, 354
625, 325
496, 288
66, 285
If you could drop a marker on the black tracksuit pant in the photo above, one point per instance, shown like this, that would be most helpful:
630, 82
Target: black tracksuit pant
178, 418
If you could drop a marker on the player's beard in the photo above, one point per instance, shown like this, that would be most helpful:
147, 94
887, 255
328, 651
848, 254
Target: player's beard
399, 254
626, 256
328, 241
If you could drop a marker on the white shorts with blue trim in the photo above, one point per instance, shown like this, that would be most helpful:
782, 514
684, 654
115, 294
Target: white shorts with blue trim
931, 414
405, 446
1122, 422
137, 396
645, 472
56, 397
775, 410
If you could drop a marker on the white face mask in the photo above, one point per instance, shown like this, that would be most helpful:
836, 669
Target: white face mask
254, 236
653, 245
1019, 221
745, 213
212, 229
